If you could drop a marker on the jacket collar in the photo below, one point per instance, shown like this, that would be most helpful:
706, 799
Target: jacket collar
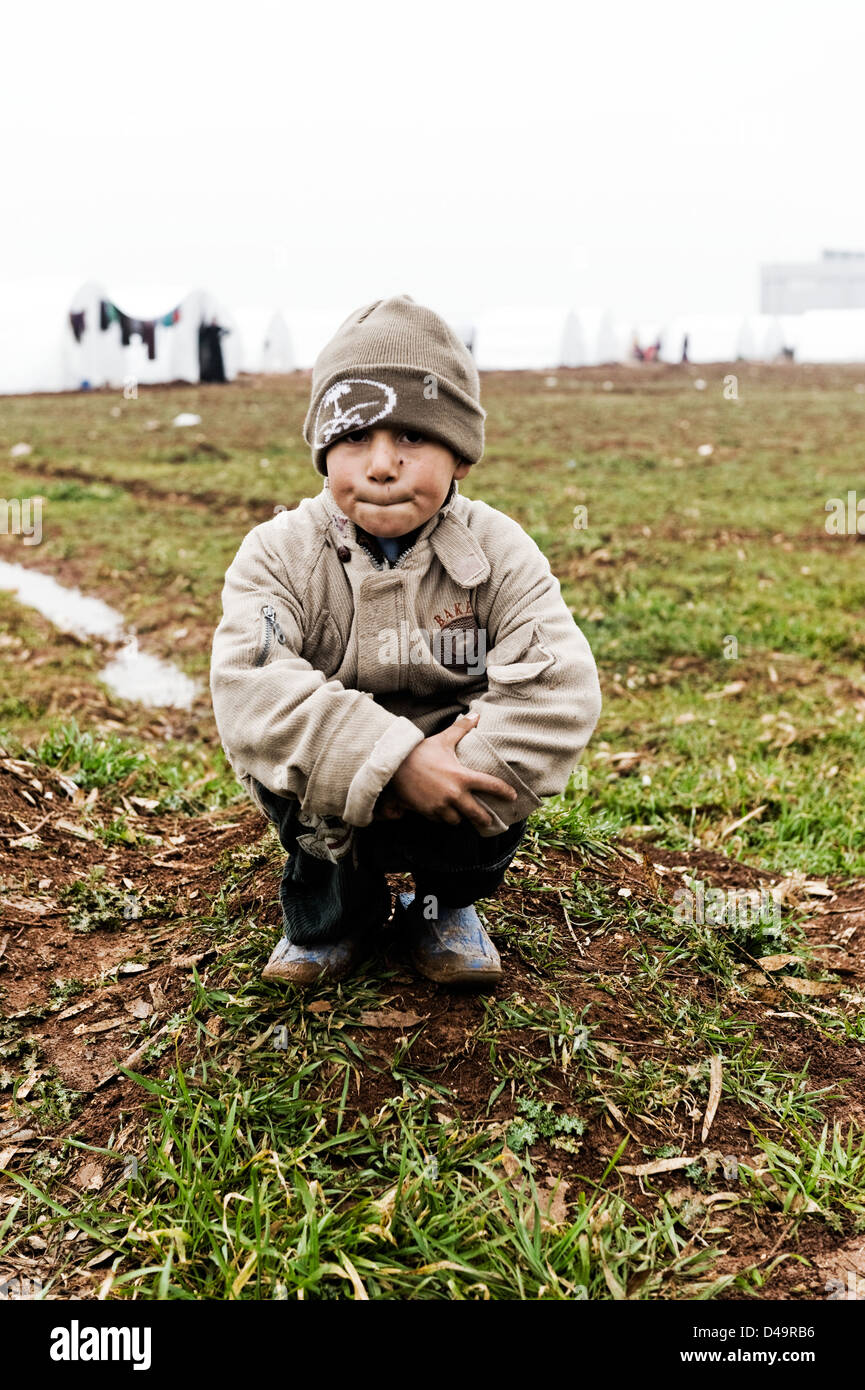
454, 544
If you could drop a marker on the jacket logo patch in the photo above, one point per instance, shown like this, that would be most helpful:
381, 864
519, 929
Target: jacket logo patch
448, 616
459, 644
349, 405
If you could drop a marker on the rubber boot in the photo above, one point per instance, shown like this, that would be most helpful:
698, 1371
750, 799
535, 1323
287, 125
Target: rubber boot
452, 949
307, 965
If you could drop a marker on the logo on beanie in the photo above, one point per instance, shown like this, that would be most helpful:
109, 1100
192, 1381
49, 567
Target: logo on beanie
353, 404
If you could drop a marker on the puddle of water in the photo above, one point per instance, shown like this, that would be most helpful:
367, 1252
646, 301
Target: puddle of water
131, 674
68, 609
135, 675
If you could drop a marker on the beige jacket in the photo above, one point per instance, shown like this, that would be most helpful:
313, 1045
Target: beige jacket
327, 671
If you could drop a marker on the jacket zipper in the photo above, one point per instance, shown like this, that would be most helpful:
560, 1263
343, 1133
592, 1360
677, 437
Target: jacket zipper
385, 564
404, 556
271, 630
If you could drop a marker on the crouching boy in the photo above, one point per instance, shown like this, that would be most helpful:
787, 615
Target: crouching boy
396, 679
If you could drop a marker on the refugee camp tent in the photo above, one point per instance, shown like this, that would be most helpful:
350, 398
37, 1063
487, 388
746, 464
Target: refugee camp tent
790, 326
264, 341
710, 338
516, 337
673, 339
605, 339
35, 342
143, 335
723, 338
760, 338
749, 346
311, 329
277, 350
831, 335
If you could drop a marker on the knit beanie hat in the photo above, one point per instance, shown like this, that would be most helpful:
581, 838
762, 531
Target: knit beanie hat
397, 363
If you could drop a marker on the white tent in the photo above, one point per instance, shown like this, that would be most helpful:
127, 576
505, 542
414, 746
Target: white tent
831, 335
790, 326
311, 329
761, 338
711, 338
264, 341
35, 338
606, 339
515, 337
178, 352
277, 351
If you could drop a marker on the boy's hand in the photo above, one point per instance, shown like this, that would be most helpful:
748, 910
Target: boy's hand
434, 782
389, 806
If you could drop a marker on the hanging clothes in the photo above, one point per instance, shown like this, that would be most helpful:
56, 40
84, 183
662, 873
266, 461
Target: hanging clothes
145, 329
108, 313
148, 337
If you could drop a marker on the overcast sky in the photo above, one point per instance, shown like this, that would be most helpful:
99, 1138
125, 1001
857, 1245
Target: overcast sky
645, 157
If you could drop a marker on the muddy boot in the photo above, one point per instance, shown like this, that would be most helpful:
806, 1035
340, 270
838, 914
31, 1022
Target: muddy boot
307, 965
452, 949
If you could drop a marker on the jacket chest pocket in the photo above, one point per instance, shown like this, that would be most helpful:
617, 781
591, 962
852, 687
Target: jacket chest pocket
460, 647
518, 659
323, 646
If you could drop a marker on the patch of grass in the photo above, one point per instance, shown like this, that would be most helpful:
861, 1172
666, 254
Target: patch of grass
99, 906
190, 780
88, 760
529, 1041
69, 490
814, 1173
566, 823
63, 990
362, 1213
116, 832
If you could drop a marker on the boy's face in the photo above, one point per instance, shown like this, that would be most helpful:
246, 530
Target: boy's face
390, 481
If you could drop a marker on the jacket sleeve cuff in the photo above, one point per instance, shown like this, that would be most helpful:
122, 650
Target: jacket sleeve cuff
477, 751
372, 776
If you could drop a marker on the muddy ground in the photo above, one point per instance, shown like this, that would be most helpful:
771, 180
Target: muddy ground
136, 972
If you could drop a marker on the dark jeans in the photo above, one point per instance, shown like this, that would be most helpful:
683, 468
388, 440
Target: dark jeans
323, 901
